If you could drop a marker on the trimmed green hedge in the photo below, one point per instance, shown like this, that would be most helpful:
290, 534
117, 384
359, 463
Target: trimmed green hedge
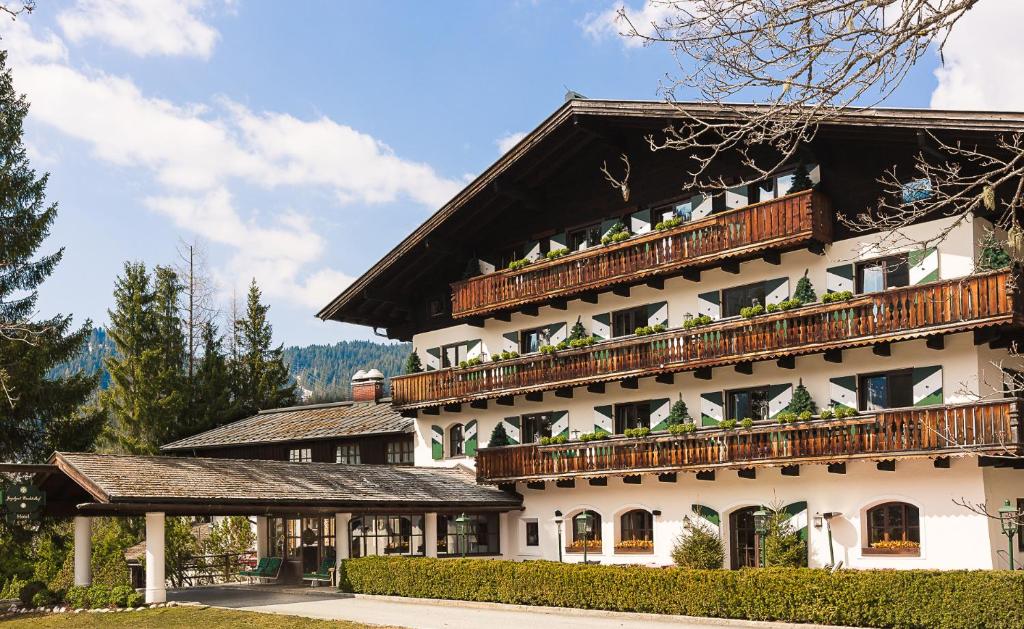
872, 598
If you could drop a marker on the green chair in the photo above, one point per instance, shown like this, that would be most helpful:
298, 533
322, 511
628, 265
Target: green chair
257, 571
272, 570
323, 575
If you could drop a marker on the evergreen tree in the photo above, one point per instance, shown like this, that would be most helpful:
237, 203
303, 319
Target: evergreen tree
213, 404
499, 437
578, 331
170, 379
413, 364
678, 414
805, 290
261, 378
993, 253
37, 412
801, 180
802, 400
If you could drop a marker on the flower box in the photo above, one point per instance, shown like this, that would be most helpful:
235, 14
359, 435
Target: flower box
898, 552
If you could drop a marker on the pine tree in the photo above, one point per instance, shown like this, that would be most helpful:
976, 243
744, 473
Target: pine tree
413, 364
213, 403
801, 180
805, 290
499, 437
261, 376
578, 331
37, 412
802, 400
678, 414
170, 379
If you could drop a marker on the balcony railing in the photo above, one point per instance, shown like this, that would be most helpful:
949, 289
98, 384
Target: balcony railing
980, 428
897, 314
794, 220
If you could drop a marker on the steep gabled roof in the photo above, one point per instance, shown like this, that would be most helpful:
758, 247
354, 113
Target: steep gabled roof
300, 423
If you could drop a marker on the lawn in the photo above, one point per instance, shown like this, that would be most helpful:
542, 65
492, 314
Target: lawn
175, 617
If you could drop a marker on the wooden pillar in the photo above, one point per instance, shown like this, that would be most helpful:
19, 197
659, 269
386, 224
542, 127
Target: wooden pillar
83, 550
156, 583
262, 536
430, 534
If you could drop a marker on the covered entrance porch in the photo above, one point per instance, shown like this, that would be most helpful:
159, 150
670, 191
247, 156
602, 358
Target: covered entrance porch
305, 513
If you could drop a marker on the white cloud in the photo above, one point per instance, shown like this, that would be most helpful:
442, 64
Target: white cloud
199, 154
507, 141
607, 23
143, 28
984, 57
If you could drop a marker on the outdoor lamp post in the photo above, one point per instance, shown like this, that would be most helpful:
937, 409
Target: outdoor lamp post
558, 527
584, 527
1009, 520
761, 528
462, 528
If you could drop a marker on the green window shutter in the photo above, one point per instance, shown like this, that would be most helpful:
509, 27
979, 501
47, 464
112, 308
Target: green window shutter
927, 385
512, 430
659, 413
839, 278
710, 304
779, 397
709, 515
657, 313
558, 241
433, 358
603, 419
557, 332
640, 222
842, 391
797, 513
510, 342
601, 325
924, 266
712, 409
533, 250
471, 437
436, 442
560, 424
474, 349
776, 290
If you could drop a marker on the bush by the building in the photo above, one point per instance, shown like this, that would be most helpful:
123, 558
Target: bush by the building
866, 598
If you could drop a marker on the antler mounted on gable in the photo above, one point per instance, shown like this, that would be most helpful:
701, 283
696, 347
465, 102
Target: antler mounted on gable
622, 184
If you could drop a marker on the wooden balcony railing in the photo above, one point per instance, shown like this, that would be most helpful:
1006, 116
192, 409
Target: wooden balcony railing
794, 220
984, 427
897, 314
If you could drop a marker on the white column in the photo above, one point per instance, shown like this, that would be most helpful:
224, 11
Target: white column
342, 543
156, 584
262, 535
430, 534
505, 537
83, 550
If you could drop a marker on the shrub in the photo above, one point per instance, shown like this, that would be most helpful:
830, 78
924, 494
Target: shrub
993, 252
678, 414
472, 362
642, 431
593, 436
77, 597
771, 308
582, 342
805, 290
801, 179
782, 544
804, 416
557, 439
682, 429
842, 295
548, 349
617, 233
789, 304
826, 413
650, 329
727, 424
751, 311
499, 437
746, 422
504, 356
669, 223
867, 598
554, 254
695, 322
44, 598
521, 263
842, 412
125, 596
801, 400
698, 547
785, 417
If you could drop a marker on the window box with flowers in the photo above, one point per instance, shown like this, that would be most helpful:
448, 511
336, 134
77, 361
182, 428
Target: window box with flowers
897, 547
634, 547
576, 546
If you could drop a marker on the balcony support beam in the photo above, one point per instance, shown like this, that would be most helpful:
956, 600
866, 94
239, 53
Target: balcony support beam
935, 342
566, 392
560, 304
833, 355
596, 387
565, 483
704, 373
453, 408
479, 404
632, 480
706, 475
598, 482
817, 248
749, 473
536, 485
431, 410
731, 266
786, 362
667, 477
589, 298
772, 257
503, 316
530, 311
620, 290
506, 400
746, 368
888, 465
630, 383
657, 283
882, 349
535, 396
837, 468
476, 322
692, 275
941, 463
665, 378
791, 470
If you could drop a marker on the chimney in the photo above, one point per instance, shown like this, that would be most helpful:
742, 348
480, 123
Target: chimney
367, 386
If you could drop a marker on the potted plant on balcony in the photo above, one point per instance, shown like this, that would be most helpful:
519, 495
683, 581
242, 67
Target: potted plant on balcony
836, 296
685, 428
805, 290
802, 404
905, 548
690, 322
634, 546
636, 433
617, 233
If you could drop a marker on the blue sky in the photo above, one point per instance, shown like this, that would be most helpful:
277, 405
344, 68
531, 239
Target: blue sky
298, 142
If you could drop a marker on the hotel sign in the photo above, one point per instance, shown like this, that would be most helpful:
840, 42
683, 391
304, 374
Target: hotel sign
22, 503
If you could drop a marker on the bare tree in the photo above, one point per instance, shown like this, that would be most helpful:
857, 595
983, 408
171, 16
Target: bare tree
14, 9
200, 304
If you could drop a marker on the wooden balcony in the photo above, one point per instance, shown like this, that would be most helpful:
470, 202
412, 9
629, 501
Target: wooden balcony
943, 307
982, 428
797, 220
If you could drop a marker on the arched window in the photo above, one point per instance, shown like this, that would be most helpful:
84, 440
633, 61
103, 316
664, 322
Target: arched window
637, 524
592, 535
456, 441
893, 522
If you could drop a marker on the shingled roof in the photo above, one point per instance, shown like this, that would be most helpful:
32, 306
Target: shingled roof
300, 423
183, 484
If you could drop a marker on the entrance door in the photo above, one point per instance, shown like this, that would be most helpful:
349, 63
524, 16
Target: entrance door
743, 538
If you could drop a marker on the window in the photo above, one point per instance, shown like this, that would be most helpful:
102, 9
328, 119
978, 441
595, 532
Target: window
636, 525
878, 275
535, 426
456, 441
452, 355
894, 522
733, 299
625, 322
399, 452
511, 254
347, 453
276, 537
293, 538
680, 209
583, 237
633, 415
891, 389
386, 535
743, 403
530, 341
300, 455
532, 533
481, 535
593, 536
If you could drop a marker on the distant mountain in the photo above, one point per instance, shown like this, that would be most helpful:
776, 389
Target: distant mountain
322, 372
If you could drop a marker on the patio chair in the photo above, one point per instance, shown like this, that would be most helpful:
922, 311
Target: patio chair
323, 575
255, 572
272, 570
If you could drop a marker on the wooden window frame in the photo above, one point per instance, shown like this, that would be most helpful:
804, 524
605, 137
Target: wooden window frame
640, 312
527, 535
300, 455
862, 389
619, 425
542, 338
897, 260
523, 419
890, 532
729, 407
399, 452
450, 434
628, 530
343, 453
722, 299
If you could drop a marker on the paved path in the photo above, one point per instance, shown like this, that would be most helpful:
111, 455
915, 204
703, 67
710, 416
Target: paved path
428, 614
